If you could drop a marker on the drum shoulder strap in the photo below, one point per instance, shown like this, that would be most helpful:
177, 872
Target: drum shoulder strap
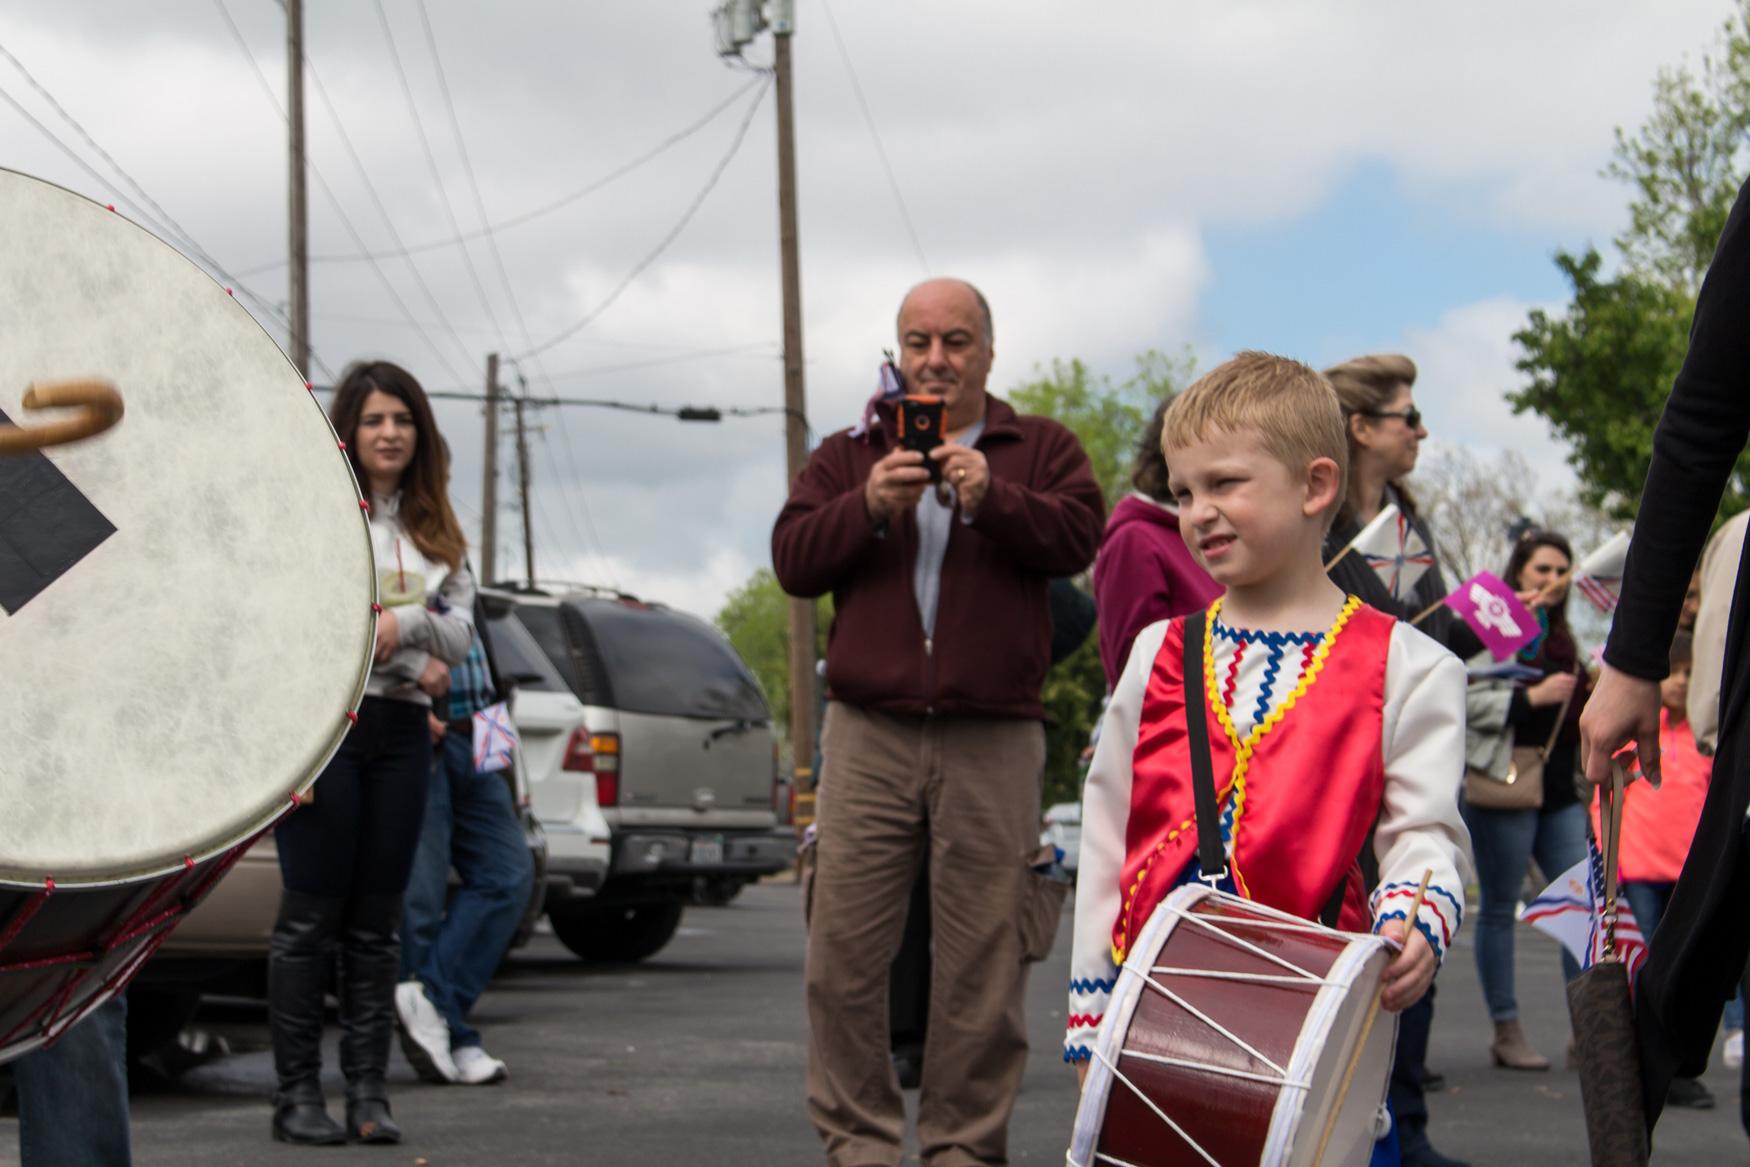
1211, 855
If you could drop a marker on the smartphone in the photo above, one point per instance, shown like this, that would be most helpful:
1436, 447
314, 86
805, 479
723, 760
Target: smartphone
921, 419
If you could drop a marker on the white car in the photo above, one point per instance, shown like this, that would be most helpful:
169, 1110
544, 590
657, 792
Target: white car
1063, 830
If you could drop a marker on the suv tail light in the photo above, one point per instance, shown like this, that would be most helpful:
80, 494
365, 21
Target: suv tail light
597, 754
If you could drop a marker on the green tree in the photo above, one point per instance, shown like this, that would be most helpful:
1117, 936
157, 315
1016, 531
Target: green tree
1600, 370
1109, 417
756, 618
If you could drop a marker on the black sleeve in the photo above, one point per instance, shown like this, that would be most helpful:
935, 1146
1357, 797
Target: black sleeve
1700, 435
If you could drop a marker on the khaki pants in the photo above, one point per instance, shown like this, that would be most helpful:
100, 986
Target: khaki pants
968, 789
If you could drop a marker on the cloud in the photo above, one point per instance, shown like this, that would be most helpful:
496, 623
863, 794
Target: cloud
1068, 159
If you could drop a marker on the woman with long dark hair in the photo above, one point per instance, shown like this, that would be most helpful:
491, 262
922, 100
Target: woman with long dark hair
1542, 712
345, 857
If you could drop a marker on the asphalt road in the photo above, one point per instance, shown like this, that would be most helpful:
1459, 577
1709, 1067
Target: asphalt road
697, 1056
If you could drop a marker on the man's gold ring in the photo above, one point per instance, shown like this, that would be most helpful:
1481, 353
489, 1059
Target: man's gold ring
960, 474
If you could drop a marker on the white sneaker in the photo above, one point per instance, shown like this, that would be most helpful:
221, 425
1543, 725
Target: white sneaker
425, 1036
476, 1067
1734, 1053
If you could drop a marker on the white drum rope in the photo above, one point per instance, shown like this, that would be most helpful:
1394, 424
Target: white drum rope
1246, 945
1207, 1068
1211, 1022
1159, 1113
1295, 982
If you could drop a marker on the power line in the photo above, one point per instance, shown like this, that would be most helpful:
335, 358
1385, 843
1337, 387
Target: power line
869, 120
436, 175
383, 211
161, 221
537, 212
334, 201
673, 234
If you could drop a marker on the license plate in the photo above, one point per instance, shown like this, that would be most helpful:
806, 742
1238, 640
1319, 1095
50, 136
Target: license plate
707, 851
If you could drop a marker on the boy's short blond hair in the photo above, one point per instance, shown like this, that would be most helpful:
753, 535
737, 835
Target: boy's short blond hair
1290, 406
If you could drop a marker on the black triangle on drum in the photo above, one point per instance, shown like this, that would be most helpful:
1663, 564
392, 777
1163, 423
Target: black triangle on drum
46, 526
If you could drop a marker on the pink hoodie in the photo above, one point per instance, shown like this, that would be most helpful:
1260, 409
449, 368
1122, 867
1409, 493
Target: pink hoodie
1143, 574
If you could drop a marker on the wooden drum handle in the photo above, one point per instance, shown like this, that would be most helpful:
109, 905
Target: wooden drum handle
99, 407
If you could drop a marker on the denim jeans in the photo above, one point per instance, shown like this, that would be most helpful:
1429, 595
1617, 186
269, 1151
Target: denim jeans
73, 1096
1504, 841
471, 823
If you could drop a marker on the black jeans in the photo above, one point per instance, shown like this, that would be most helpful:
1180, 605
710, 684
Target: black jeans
358, 835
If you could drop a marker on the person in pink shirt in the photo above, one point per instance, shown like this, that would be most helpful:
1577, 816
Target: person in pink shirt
1658, 824
1144, 572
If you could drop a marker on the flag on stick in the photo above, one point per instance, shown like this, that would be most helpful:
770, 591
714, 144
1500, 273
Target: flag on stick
1394, 549
1494, 613
494, 738
1572, 910
1599, 575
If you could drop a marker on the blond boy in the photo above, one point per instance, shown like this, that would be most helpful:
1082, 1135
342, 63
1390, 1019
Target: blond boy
1327, 719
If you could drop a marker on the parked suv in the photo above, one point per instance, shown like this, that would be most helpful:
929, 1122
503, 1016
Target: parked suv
678, 754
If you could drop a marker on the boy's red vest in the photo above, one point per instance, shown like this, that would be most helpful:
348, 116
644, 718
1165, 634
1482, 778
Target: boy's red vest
1306, 790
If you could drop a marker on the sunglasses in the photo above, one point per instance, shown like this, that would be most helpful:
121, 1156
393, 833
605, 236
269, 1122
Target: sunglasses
1412, 416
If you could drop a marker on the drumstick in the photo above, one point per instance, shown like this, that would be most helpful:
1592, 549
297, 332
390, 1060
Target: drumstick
98, 407
1366, 1028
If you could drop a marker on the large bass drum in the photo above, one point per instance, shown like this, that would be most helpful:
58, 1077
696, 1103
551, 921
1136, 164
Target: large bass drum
1231, 1039
186, 603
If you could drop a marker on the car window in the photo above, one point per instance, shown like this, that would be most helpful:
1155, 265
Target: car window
565, 641
663, 662
519, 658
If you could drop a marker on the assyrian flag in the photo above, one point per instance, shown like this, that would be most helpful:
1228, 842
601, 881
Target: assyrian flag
1571, 910
1494, 613
1599, 575
889, 387
1394, 550
494, 738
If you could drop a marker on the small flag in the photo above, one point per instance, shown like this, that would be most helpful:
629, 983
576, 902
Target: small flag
494, 738
1598, 576
1571, 910
1494, 613
1395, 551
889, 387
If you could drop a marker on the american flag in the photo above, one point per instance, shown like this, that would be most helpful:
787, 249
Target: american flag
1571, 910
1631, 946
1599, 575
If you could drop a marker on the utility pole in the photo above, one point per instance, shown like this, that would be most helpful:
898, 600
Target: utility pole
802, 612
522, 457
489, 487
737, 21
299, 214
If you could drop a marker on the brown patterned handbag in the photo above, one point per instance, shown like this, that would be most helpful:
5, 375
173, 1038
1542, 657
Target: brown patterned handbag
1604, 1025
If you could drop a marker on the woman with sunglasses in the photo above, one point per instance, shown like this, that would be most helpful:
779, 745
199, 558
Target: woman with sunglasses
1385, 433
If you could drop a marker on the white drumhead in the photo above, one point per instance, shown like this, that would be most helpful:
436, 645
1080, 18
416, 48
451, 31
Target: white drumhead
163, 695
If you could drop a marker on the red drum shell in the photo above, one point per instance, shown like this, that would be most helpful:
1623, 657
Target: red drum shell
1230, 1117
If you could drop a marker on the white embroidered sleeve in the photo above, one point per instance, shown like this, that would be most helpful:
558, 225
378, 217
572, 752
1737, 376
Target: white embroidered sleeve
1105, 811
1420, 828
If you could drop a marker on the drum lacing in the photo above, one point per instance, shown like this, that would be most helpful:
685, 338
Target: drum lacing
1159, 1113
147, 920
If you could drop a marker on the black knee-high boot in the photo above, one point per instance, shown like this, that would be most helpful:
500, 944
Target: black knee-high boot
370, 965
305, 938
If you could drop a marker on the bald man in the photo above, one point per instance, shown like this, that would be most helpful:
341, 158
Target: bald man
934, 740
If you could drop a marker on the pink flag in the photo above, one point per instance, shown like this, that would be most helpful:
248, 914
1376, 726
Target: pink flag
1494, 614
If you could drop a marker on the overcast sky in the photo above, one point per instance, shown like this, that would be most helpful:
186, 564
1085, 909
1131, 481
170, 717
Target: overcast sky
1319, 179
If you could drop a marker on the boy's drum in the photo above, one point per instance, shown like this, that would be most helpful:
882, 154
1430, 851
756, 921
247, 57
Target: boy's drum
1227, 1040
186, 603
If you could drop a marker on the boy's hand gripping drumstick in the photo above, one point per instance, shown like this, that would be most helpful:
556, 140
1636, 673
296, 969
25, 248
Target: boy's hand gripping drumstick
1366, 1028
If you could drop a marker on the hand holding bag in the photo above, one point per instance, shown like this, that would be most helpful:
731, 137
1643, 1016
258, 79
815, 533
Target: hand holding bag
1604, 1025
1522, 788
